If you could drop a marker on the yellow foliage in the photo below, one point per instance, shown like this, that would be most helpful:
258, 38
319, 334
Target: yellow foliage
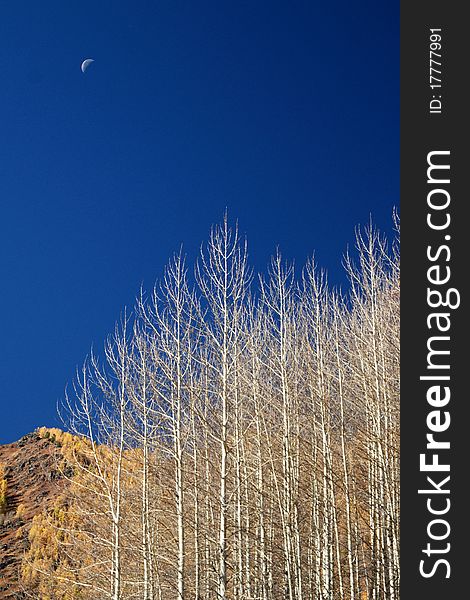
70, 445
3, 493
46, 569
52, 433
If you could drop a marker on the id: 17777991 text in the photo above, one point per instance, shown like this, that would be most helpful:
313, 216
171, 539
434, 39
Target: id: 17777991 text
435, 70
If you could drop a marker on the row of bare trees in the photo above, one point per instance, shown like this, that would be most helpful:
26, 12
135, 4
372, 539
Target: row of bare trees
239, 441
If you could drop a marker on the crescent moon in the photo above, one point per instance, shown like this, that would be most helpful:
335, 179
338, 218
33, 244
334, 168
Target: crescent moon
86, 63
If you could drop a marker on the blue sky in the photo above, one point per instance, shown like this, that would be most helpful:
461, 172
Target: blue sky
286, 113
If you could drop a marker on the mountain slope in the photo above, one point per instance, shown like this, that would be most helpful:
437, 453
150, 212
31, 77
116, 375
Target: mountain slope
32, 479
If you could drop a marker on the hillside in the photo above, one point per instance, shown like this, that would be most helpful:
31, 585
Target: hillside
29, 470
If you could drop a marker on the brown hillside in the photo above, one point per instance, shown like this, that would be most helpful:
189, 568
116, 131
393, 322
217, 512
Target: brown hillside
30, 479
